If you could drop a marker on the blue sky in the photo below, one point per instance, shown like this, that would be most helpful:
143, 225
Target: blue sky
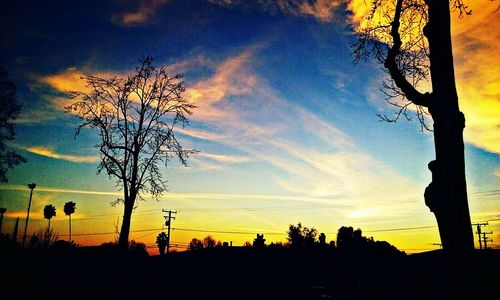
284, 117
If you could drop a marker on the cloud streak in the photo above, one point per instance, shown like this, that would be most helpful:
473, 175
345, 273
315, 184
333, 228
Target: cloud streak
47, 152
249, 116
321, 10
144, 12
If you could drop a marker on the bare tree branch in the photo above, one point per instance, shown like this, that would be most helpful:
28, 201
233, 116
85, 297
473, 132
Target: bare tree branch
136, 118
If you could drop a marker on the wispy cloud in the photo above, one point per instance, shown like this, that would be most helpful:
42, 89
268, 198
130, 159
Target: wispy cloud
322, 10
143, 12
201, 134
316, 159
223, 158
47, 152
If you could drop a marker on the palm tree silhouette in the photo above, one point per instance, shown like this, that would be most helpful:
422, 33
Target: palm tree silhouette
49, 211
69, 208
162, 241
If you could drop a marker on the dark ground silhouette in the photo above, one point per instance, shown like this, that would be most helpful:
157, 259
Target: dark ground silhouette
244, 273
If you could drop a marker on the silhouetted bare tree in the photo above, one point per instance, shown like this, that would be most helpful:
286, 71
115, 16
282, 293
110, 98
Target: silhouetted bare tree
9, 111
49, 211
412, 39
136, 118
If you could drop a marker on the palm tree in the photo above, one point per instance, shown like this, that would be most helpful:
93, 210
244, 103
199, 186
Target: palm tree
162, 241
69, 208
49, 211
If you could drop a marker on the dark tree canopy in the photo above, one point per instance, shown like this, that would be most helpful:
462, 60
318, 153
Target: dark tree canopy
162, 241
195, 244
259, 241
9, 111
49, 211
69, 208
209, 242
301, 237
135, 117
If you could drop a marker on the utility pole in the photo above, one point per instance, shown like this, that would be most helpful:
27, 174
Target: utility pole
2, 211
168, 222
478, 232
31, 186
486, 239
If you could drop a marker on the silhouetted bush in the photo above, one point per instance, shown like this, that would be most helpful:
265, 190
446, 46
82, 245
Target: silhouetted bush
259, 242
353, 241
44, 238
301, 237
137, 248
195, 244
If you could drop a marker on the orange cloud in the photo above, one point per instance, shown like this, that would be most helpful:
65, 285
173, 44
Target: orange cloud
146, 9
475, 41
43, 151
320, 9
231, 78
68, 80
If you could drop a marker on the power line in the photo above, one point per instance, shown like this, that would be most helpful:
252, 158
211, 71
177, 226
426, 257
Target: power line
105, 233
401, 229
228, 232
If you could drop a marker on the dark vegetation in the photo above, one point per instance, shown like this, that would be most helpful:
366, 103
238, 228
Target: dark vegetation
356, 268
10, 109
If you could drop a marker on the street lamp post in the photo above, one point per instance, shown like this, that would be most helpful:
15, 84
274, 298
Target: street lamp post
31, 186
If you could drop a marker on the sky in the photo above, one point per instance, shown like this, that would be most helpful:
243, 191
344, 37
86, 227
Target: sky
285, 123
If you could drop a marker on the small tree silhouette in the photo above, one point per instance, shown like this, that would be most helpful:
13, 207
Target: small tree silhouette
259, 242
195, 244
322, 239
209, 242
69, 209
300, 236
49, 211
162, 241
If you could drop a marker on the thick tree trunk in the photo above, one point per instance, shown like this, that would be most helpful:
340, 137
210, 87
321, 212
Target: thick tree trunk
447, 195
127, 218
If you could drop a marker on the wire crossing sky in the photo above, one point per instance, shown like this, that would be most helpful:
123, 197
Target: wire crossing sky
285, 123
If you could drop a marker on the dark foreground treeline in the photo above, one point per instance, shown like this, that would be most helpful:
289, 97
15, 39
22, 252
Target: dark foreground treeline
245, 273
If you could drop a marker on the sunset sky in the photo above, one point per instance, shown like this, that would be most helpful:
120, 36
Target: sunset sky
286, 124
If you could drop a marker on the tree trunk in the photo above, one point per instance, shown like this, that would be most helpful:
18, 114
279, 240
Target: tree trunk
449, 190
70, 239
127, 217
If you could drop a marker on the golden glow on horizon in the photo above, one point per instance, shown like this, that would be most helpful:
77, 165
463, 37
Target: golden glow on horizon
362, 188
